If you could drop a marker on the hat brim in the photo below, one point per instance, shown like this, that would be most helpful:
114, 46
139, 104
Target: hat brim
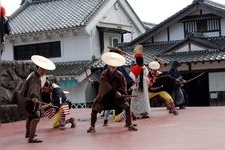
66, 92
43, 62
113, 59
55, 85
154, 65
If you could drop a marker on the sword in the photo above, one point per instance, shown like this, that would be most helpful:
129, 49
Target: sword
191, 79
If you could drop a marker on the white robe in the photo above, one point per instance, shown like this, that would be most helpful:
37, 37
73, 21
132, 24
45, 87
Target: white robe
140, 104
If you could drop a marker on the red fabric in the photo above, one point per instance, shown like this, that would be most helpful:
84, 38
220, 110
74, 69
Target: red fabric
138, 55
3, 12
136, 70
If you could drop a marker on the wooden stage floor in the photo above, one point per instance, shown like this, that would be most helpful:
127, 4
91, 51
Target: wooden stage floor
195, 128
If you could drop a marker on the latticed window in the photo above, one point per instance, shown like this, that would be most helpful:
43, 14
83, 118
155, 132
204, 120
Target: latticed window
209, 25
49, 50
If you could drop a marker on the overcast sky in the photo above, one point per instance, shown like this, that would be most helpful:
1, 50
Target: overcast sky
153, 11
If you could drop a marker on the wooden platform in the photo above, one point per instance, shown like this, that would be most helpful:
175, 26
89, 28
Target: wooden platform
195, 128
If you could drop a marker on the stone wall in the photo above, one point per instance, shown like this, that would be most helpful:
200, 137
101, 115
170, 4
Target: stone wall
13, 74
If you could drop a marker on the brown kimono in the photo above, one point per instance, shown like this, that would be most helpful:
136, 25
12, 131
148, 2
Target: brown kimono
106, 98
32, 89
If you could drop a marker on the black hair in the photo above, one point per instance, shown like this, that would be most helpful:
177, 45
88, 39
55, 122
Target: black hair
140, 62
47, 83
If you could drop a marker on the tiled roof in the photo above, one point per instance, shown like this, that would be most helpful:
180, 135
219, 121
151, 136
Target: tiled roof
195, 57
163, 51
219, 8
72, 68
53, 15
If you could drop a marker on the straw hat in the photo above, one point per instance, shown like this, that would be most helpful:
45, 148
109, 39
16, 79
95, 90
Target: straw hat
113, 59
43, 62
154, 65
55, 85
66, 92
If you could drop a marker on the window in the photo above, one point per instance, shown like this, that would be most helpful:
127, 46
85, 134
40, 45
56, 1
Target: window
209, 25
115, 42
201, 26
49, 50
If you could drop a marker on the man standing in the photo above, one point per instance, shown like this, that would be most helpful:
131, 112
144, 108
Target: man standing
31, 91
112, 89
177, 94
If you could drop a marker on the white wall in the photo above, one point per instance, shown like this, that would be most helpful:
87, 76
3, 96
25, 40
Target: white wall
223, 26
72, 48
75, 48
162, 36
176, 31
217, 81
95, 43
117, 18
8, 52
196, 48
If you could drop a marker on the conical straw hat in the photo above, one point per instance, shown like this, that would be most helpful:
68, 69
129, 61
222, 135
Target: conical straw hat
154, 65
43, 62
55, 85
66, 92
113, 59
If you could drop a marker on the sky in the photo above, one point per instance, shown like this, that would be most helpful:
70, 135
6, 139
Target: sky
152, 11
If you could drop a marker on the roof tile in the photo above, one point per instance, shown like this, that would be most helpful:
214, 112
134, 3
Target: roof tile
53, 14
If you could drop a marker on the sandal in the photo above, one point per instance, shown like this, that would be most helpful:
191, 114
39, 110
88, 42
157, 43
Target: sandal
34, 140
132, 128
91, 130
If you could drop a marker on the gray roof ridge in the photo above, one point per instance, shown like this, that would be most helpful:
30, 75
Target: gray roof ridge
212, 3
73, 62
92, 13
42, 1
192, 52
162, 42
21, 8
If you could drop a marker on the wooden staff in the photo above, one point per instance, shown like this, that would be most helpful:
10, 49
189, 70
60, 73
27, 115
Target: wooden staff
119, 51
88, 76
26, 98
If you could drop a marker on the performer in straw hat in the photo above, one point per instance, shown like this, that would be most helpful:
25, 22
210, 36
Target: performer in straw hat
157, 86
119, 113
112, 87
32, 90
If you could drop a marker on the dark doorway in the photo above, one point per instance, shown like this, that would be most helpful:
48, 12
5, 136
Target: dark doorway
197, 90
